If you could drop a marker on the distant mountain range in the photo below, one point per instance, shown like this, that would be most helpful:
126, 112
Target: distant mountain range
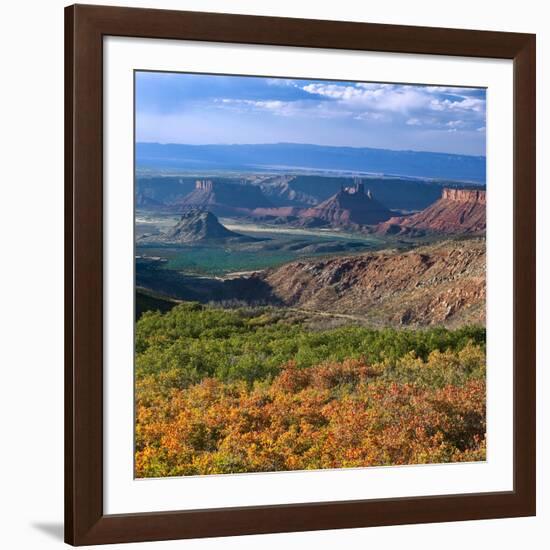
161, 192
169, 191
401, 194
304, 157
451, 210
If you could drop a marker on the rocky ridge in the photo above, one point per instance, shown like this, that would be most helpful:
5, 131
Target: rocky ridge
437, 284
458, 211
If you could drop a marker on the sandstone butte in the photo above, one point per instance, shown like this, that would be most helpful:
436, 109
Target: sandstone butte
458, 211
350, 207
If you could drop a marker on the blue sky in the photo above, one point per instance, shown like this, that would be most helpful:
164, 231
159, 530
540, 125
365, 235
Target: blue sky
214, 109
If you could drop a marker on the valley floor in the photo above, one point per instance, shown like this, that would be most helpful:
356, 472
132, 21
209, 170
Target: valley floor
431, 285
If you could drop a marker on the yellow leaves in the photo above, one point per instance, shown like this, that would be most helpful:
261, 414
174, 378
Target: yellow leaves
305, 420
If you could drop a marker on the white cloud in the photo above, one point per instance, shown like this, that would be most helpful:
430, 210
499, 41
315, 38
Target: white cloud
466, 104
346, 93
374, 86
379, 97
437, 108
404, 99
451, 90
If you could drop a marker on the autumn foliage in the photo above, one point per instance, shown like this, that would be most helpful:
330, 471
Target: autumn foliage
272, 401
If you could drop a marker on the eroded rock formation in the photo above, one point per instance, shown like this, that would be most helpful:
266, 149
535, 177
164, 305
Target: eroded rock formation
458, 211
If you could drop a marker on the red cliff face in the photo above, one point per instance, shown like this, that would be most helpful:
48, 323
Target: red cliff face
350, 206
464, 195
458, 211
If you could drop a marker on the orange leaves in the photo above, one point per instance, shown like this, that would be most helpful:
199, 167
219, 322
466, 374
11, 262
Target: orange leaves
350, 372
258, 389
292, 378
333, 415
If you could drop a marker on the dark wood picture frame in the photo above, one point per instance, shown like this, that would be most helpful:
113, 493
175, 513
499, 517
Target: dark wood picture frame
85, 27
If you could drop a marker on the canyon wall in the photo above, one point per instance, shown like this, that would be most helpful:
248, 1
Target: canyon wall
464, 195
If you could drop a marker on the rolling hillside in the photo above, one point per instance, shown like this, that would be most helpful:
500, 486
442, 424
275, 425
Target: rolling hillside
437, 284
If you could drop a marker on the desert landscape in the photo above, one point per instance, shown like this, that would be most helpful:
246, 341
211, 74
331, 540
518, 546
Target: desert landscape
349, 254
307, 307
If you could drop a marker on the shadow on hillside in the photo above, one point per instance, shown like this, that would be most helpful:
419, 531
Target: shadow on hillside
250, 290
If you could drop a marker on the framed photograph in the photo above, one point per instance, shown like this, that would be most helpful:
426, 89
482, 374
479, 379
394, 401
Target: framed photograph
300, 275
